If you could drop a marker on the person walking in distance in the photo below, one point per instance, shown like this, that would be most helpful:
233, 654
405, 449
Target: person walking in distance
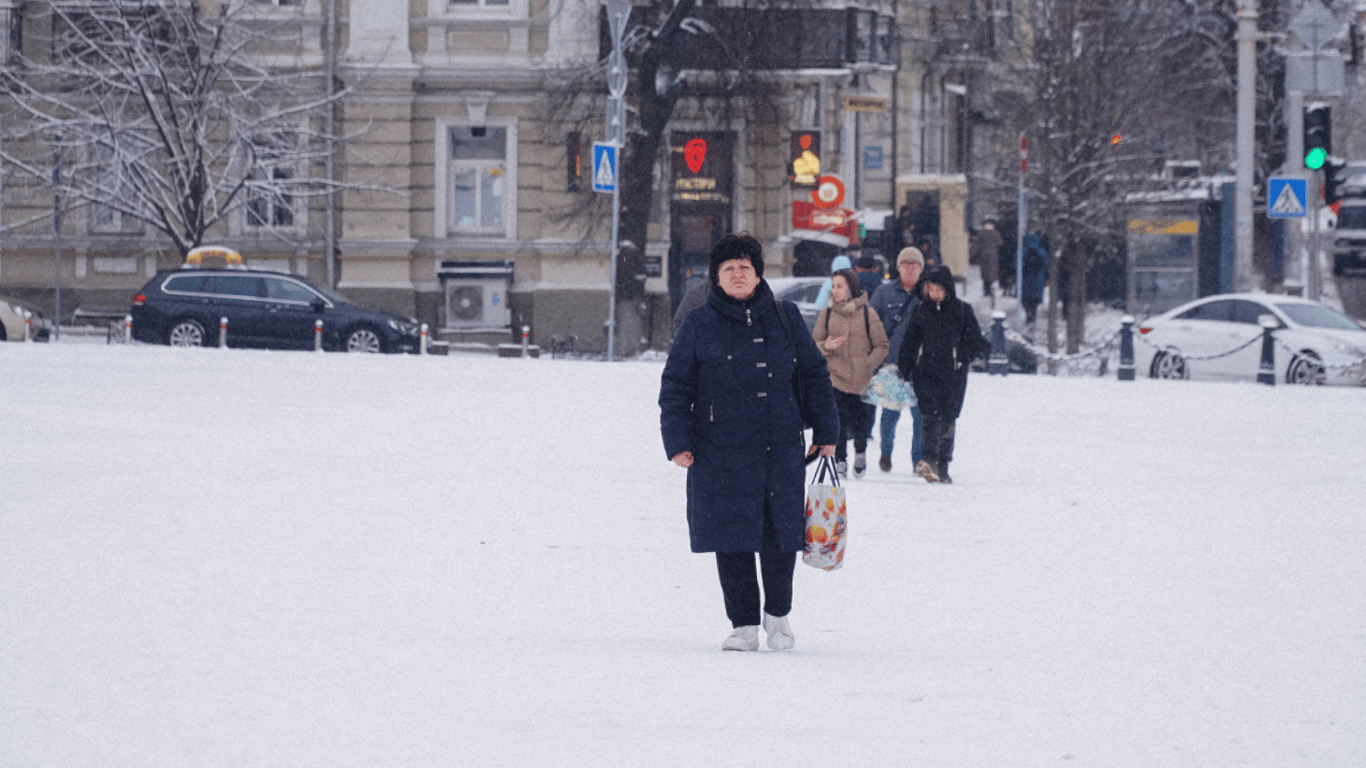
941, 341
894, 301
729, 415
854, 343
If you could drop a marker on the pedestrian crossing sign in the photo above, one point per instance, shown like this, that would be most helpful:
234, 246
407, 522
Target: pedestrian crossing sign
1286, 197
604, 167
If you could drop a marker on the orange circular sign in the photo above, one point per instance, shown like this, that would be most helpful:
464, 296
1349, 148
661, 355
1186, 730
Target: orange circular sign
829, 192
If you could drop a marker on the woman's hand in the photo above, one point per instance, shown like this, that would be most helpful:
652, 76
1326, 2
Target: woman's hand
684, 459
826, 450
833, 343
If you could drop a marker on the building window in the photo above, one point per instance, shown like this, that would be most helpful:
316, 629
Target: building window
479, 181
270, 198
14, 37
479, 3
113, 186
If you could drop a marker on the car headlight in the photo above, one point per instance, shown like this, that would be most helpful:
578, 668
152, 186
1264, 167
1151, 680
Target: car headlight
1349, 349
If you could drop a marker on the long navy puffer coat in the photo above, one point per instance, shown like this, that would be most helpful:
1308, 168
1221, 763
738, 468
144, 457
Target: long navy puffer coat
727, 396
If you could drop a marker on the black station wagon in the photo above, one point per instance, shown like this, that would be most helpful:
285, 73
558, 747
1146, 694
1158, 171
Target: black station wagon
185, 307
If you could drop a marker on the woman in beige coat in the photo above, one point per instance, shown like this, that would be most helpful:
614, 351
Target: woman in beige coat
851, 336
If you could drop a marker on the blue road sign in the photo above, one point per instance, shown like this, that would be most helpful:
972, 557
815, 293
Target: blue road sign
1286, 197
604, 167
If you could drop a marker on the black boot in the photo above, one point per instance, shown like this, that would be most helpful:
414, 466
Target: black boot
943, 472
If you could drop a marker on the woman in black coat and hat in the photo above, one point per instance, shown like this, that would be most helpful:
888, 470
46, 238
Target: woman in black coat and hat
942, 339
729, 414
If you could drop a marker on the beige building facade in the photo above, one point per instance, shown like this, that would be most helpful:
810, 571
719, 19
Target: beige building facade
468, 198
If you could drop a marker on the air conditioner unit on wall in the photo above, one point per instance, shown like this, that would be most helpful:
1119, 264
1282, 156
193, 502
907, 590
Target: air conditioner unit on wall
476, 293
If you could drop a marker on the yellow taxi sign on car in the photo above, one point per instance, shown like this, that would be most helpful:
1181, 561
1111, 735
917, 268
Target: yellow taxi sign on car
229, 257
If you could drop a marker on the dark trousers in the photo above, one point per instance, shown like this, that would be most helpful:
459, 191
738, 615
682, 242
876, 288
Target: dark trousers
740, 584
939, 432
853, 415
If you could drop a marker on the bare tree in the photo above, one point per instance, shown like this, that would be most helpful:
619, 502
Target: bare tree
1112, 89
167, 116
676, 52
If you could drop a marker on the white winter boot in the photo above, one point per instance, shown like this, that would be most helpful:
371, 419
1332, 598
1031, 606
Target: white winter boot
860, 464
743, 639
780, 637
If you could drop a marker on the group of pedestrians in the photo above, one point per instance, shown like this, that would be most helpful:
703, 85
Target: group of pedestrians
741, 381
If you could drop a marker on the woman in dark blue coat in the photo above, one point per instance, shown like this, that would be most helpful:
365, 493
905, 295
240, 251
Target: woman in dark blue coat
729, 414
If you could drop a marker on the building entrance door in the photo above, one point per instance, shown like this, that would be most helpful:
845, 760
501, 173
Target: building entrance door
703, 173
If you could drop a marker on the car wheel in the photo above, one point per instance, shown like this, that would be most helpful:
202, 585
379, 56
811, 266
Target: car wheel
186, 333
1305, 368
1169, 366
364, 339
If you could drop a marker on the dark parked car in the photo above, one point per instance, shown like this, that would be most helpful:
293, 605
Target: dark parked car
268, 309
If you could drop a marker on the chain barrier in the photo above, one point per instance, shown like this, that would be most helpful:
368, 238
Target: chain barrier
1201, 358
1103, 346
1317, 362
1103, 349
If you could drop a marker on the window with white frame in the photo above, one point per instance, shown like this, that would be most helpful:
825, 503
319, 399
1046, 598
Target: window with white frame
478, 3
479, 178
111, 184
270, 199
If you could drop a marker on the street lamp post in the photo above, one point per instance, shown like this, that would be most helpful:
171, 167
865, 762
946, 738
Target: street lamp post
1247, 115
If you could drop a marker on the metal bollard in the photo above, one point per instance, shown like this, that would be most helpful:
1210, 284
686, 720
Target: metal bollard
422, 340
127, 329
1266, 372
222, 332
28, 326
526, 341
1126, 348
317, 335
999, 360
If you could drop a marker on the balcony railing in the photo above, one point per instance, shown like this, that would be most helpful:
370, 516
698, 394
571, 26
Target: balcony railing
781, 39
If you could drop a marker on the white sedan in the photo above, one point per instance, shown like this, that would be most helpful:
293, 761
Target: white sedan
16, 320
1219, 337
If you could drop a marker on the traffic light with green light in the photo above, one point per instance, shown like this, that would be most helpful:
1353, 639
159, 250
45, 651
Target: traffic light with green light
1318, 135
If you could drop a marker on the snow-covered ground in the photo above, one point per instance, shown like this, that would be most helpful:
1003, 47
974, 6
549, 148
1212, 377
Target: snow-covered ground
232, 558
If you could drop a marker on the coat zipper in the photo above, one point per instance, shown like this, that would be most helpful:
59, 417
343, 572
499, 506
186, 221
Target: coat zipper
748, 320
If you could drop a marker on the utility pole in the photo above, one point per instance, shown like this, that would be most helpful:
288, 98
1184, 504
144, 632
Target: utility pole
1021, 227
618, 11
1318, 75
1243, 276
330, 128
57, 237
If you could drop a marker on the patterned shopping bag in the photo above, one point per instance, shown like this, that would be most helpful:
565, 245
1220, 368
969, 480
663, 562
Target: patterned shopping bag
889, 390
826, 519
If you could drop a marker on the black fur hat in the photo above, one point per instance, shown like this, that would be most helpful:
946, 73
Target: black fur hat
741, 246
